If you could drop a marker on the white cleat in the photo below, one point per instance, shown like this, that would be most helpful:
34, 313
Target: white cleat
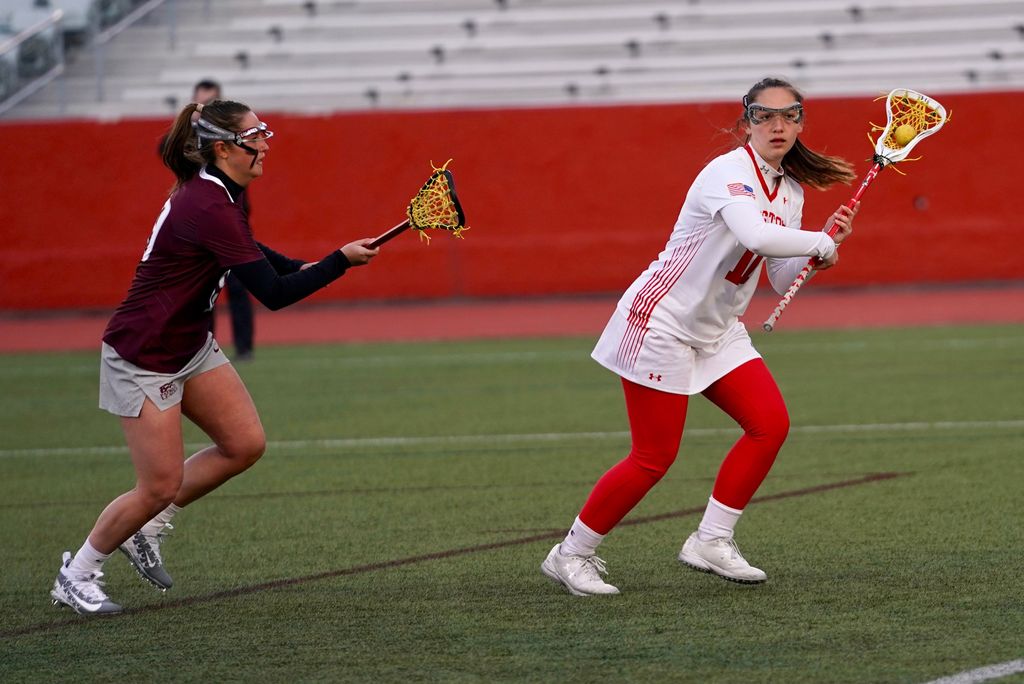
581, 575
721, 557
81, 592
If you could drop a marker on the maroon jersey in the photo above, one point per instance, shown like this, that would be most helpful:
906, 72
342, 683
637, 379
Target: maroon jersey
200, 234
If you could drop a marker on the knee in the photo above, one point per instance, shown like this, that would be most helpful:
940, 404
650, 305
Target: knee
780, 424
654, 462
256, 449
160, 494
771, 427
247, 449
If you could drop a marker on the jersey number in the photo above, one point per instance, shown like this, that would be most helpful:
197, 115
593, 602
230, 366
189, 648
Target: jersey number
747, 264
216, 291
156, 229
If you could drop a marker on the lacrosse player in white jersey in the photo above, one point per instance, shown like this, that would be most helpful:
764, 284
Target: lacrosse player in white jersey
675, 333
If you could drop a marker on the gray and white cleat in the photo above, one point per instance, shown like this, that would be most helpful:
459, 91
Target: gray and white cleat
81, 592
143, 552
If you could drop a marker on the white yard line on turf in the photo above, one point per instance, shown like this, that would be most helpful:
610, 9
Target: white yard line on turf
983, 674
362, 442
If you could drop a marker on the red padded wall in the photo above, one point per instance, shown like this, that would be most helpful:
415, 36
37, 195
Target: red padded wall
560, 201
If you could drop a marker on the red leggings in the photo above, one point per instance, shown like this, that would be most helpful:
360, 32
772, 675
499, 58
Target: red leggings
656, 419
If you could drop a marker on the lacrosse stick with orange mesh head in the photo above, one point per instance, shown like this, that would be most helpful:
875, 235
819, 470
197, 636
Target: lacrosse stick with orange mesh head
434, 206
912, 117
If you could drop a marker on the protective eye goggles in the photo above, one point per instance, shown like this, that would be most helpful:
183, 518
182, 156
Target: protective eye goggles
759, 114
208, 131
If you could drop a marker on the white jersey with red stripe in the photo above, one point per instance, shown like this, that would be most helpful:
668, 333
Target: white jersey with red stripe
677, 327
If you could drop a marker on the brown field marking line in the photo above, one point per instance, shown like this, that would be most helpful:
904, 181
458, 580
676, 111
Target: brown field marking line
438, 555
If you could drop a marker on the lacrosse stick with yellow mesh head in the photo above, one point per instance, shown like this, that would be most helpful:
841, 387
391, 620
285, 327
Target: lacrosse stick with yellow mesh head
435, 205
911, 117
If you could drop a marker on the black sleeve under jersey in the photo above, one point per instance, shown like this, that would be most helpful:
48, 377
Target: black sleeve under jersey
276, 291
281, 263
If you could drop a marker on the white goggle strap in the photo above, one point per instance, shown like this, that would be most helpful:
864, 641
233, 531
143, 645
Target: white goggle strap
208, 131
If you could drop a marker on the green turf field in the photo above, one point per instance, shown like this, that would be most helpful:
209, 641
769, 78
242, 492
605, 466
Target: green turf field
394, 529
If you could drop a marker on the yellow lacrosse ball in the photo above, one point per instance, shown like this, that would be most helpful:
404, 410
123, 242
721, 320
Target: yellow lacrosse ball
904, 134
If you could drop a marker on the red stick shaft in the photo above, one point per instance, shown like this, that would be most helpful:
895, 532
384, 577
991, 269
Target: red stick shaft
830, 227
805, 274
384, 237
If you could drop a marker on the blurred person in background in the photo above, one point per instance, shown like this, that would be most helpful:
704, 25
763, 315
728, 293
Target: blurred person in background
206, 91
159, 358
676, 333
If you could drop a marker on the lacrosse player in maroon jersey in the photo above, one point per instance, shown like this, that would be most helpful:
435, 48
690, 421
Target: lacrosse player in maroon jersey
676, 333
159, 360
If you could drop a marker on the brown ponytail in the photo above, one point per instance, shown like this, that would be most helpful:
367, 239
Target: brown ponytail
803, 164
182, 153
815, 169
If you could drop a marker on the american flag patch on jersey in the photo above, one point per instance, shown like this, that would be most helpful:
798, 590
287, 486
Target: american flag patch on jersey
741, 190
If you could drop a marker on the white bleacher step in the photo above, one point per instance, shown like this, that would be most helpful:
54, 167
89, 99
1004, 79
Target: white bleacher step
642, 14
878, 73
896, 54
986, 26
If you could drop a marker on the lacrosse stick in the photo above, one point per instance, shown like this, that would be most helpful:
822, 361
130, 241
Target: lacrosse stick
434, 206
912, 117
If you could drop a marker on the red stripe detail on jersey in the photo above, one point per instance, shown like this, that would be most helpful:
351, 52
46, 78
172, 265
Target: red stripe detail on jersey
653, 292
671, 274
643, 304
764, 184
640, 310
659, 285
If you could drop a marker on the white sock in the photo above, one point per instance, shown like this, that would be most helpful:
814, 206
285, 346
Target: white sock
581, 540
719, 521
88, 559
162, 518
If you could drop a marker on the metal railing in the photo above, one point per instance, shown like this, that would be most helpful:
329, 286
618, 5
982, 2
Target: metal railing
30, 59
101, 38
35, 56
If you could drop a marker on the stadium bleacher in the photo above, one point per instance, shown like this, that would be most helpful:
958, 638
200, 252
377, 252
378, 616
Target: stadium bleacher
34, 35
330, 55
30, 48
